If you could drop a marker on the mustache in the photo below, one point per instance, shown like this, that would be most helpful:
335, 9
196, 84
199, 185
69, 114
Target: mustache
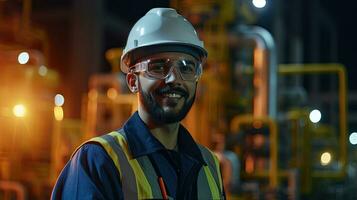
172, 89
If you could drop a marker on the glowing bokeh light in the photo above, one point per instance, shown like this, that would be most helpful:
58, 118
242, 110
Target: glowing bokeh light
23, 58
353, 138
42, 70
259, 3
59, 100
112, 93
325, 158
315, 116
19, 110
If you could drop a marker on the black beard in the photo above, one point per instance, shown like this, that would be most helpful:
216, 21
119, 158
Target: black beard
157, 113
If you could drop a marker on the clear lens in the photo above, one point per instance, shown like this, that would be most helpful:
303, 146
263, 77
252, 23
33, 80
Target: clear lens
158, 68
161, 68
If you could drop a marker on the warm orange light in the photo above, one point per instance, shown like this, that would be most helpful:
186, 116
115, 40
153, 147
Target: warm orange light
58, 112
249, 164
19, 110
257, 124
258, 141
259, 82
93, 94
112, 93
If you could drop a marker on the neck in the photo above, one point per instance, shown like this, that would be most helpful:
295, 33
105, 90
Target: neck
165, 133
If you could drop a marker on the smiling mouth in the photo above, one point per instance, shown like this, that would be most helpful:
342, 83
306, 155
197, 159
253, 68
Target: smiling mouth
173, 95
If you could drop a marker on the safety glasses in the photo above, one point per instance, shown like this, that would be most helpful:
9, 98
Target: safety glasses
161, 68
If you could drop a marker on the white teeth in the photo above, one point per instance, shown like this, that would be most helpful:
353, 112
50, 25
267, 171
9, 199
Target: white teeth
173, 95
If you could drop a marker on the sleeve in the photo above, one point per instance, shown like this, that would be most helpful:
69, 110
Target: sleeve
90, 174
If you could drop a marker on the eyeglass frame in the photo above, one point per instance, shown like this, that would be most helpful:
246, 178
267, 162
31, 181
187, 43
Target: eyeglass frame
142, 66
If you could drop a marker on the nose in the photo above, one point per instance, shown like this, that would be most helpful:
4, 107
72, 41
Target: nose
173, 76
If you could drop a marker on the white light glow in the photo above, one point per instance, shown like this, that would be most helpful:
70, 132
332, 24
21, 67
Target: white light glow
23, 58
325, 158
315, 116
59, 100
19, 110
42, 70
353, 138
259, 3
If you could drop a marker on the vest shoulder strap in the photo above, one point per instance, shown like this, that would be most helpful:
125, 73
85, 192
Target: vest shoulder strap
134, 182
212, 171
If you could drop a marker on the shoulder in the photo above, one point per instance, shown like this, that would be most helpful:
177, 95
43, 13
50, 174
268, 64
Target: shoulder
88, 161
91, 153
209, 156
110, 139
206, 151
84, 160
90, 172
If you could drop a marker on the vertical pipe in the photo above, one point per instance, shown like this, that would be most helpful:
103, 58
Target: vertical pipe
264, 40
343, 118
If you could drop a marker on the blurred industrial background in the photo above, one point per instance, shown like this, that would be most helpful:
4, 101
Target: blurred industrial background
277, 101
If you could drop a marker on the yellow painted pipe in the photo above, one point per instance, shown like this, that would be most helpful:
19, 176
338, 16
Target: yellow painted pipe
273, 138
291, 69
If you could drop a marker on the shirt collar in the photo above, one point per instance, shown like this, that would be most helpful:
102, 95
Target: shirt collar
142, 142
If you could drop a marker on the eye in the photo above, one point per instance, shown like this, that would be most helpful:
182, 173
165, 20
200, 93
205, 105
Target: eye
157, 66
187, 67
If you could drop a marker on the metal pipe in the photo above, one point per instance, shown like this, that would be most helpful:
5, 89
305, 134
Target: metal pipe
342, 95
264, 40
16, 187
273, 139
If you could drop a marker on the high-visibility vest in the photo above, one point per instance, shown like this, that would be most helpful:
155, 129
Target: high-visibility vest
138, 183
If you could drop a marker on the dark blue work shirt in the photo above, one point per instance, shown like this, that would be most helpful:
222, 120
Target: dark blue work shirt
91, 173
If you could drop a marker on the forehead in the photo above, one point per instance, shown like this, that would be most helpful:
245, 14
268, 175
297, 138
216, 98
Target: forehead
171, 55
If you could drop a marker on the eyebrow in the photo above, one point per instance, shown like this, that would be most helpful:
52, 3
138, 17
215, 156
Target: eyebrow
158, 60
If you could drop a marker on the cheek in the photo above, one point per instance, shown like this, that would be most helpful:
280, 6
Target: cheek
147, 85
192, 89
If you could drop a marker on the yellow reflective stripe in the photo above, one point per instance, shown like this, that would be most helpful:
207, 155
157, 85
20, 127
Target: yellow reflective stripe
216, 161
142, 184
211, 182
213, 163
128, 181
110, 151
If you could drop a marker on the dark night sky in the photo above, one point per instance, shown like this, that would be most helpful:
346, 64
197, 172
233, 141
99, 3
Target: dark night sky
341, 14
345, 15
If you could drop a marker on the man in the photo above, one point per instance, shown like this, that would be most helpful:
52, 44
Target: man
152, 156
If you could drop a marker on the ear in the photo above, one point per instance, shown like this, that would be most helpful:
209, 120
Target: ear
132, 82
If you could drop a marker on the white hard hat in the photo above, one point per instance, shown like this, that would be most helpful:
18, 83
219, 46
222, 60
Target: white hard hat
161, 30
